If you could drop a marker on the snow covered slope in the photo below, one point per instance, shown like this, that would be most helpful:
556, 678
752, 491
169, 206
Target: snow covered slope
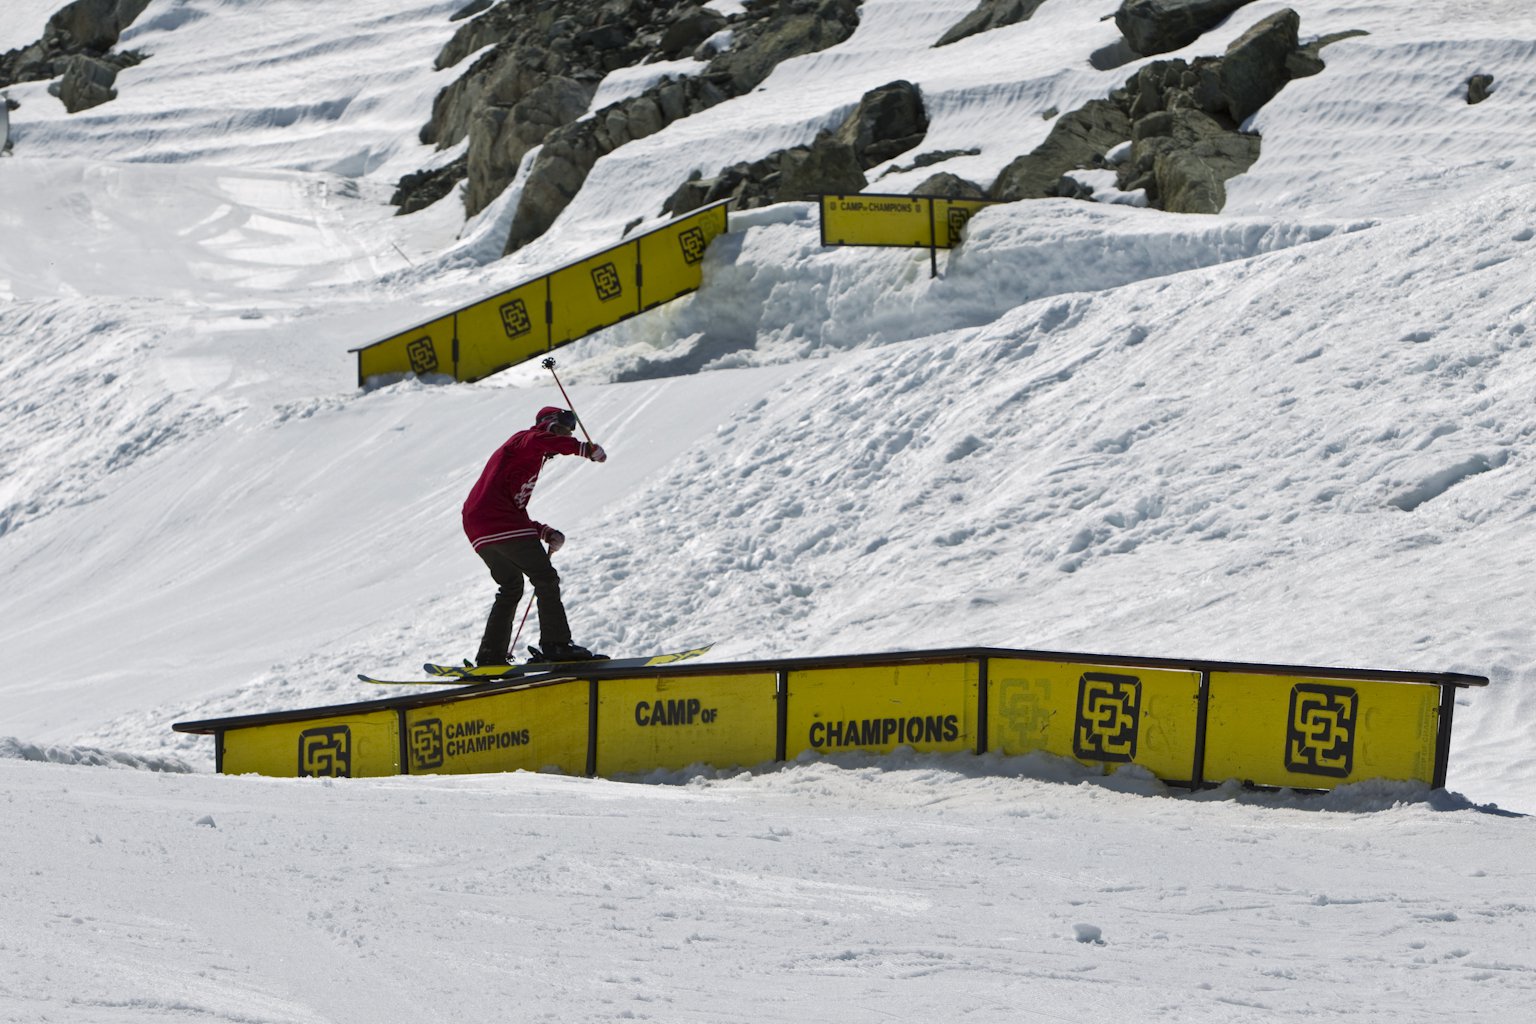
1296, 431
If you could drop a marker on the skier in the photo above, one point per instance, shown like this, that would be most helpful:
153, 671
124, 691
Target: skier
512, 545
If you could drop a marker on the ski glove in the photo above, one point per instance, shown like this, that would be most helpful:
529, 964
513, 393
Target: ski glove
596, 454
555, 539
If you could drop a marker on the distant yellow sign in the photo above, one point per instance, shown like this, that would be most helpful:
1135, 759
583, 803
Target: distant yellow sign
922, 222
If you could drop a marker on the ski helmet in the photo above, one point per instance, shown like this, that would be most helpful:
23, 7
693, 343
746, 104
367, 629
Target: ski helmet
553, 413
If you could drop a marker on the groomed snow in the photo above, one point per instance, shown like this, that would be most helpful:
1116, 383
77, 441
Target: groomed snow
1297, 431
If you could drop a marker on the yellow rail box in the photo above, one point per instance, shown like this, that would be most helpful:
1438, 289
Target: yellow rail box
571, 302
670, 722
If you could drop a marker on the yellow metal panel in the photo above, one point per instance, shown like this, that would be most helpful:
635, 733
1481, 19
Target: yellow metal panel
423, 350
1275, 730
672, 722
597, 292
950, 217
876, 220
672, 257
538, 729
502, 330
348, 746
1098, 714
927, 707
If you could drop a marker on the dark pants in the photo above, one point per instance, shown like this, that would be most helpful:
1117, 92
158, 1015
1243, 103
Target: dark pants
509, 563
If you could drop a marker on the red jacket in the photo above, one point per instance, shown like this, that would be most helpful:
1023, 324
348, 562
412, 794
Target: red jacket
497, 508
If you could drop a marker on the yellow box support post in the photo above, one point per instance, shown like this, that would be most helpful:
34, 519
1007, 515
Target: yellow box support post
1100, 714
535, 729
931, 707
1318, 733
345, 746
670, 722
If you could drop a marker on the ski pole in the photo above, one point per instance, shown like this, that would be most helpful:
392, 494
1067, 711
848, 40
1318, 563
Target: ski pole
549, 364
511, 653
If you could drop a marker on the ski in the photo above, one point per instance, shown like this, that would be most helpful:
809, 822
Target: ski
470, 675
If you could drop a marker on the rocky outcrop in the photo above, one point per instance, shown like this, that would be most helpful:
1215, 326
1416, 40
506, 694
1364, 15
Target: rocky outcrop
1183, 121
950, 186
886, 122
989, 15
87, 82
76, 48
767, 35
1162, 26
539, 70
533, 84
828, 166
1079, 138
1479, 88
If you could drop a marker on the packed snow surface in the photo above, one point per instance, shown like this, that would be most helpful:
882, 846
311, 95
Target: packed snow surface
1298, 432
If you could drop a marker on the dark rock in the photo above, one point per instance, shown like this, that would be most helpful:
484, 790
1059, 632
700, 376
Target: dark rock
777, 33
423, 188
1077, 139
770, 34
1479, 88
95, 25
1161, 26
1183, 157
989, 15
502, 135
829, 166
87, 82
937, 156
85, 28
1254, 69
888, 121
685, 34
950, 186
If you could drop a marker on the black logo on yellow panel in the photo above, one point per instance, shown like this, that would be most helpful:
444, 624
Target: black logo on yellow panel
325, 752
959, 216
427, 744
1320, 737
1108, 717
693, 243
515, 319
423, 355
605, 279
